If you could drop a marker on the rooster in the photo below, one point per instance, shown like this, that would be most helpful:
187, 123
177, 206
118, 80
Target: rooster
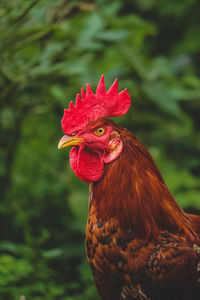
140, 244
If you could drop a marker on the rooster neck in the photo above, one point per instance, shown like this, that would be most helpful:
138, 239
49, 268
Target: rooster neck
133, 191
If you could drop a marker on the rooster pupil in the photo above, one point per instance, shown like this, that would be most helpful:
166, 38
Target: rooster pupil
99, 131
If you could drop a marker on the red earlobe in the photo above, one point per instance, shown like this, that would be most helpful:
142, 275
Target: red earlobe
114, 149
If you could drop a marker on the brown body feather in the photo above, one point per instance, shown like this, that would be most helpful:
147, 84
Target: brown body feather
139, 242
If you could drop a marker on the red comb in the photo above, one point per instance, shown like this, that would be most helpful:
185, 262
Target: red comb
94, 106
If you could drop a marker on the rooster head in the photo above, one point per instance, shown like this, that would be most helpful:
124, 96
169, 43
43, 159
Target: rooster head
87, 128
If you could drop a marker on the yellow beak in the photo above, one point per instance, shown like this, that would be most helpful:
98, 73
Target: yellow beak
67, 141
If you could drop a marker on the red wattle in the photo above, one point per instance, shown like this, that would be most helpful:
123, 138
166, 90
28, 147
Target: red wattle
74, 162
86, 164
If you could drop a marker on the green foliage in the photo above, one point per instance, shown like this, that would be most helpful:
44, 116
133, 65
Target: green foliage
48, 50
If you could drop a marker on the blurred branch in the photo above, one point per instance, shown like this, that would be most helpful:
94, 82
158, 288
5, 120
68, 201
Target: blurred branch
87, 6
21, 17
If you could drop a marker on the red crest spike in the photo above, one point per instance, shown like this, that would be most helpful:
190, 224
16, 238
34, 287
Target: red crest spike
82, 93
101, 90
89, 91
113, 90
71, 106
92, 106
78, 100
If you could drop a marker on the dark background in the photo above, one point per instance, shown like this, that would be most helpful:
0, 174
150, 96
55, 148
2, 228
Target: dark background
48, 51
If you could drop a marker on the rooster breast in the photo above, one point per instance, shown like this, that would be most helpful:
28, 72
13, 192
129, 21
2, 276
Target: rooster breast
126, 267
117, 259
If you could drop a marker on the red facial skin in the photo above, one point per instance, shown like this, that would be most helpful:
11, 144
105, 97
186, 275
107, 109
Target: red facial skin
87, 160
92, 140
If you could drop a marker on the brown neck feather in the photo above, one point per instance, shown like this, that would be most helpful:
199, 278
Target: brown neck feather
133, 191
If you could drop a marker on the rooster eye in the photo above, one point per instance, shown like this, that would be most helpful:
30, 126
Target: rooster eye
99, 131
